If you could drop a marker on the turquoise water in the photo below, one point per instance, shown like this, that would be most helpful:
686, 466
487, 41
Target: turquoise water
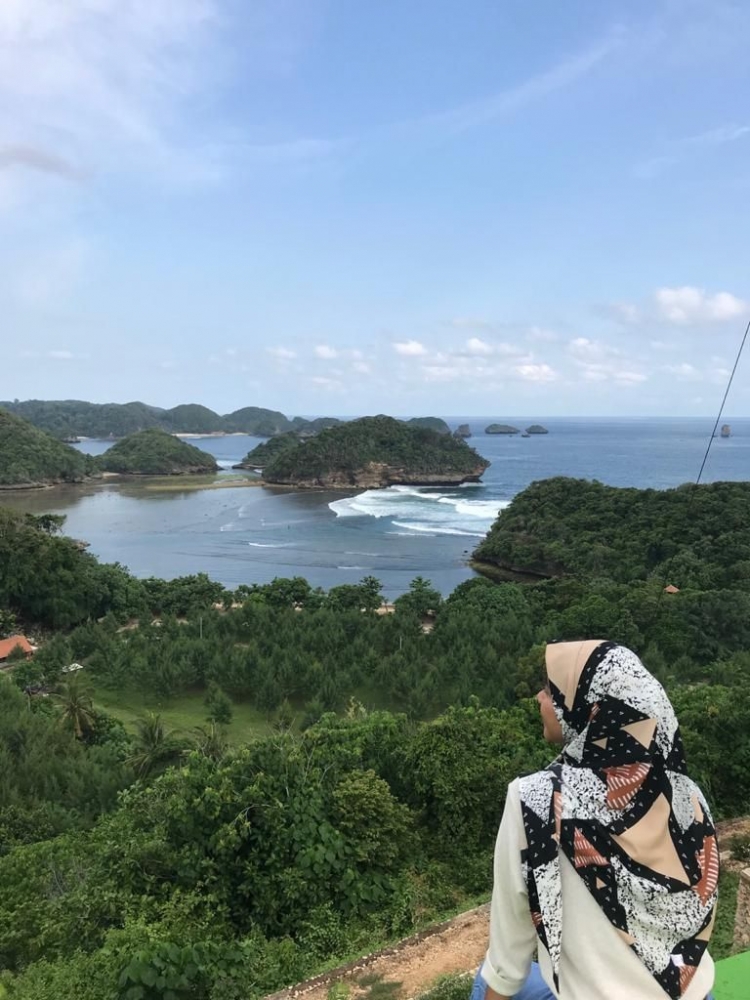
252, 535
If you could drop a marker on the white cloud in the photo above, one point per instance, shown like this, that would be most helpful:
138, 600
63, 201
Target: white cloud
90, 85
282, 353
536, 373
476, 346
410, 348
325, 352
61, 355
687, 305
685, 372
625, 377
322, 382
361, 367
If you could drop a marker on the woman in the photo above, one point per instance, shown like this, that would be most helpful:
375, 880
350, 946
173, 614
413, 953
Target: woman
607, 859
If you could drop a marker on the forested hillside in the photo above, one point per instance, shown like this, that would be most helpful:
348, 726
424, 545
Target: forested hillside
700, 535
156, 453
71, 418
29, 457
376, 451
150, 858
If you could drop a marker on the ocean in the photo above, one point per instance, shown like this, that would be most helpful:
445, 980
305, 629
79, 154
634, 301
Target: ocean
253, 535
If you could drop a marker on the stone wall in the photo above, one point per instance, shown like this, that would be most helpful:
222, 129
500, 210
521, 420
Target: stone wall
742, 919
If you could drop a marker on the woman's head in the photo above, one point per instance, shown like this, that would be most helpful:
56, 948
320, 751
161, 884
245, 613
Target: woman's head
604, 702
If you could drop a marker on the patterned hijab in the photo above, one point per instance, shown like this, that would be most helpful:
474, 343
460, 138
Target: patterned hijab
619, 804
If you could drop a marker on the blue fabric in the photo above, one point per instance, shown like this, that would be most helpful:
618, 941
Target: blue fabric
534, 988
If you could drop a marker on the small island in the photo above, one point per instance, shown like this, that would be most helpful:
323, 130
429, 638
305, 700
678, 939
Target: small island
463, 431
31, 458
154, 452
501, 429
374, 452
264, 453
536, 429
432, 423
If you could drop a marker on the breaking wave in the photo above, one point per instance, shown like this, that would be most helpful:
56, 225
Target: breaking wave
423, 511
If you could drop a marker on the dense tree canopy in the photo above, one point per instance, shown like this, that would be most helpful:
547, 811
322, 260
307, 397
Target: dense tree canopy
158, 863
70, 418
30, 457
697, 536
154, 452
386, 449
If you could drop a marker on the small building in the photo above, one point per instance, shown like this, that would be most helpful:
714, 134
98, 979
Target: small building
671, 589
14, 642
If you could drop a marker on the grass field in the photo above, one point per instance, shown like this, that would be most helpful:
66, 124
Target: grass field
183, 713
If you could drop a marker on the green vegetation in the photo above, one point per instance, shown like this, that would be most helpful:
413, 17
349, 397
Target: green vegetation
265, 452
257, 421
29, 457
698, 537
156, 453
501, 429
191, 418
242, 787
71, 418
536, 429
376, 451
431, 423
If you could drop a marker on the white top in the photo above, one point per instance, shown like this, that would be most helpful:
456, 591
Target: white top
595, 963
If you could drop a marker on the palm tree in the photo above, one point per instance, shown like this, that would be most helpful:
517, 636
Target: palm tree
155, 747
77, 703
211, 741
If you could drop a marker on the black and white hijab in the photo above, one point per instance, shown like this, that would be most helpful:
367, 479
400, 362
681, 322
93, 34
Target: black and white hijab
619, 803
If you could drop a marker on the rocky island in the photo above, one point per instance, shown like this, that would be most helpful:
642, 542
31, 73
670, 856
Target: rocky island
264, 453
463, 431
375, 452
536, 429
432, 423
154, 452
501, 429
31, 458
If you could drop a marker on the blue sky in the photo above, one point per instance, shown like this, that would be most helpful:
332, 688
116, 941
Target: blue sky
405, 206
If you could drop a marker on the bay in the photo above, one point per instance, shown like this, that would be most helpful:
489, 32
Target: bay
251, 535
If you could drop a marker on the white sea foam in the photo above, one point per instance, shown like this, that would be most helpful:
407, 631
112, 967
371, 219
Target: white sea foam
422, 510
269, 545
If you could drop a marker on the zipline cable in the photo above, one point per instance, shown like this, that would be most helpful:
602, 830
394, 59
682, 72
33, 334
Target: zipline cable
710, 443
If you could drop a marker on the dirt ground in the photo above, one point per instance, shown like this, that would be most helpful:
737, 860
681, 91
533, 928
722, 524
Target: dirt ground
458, 945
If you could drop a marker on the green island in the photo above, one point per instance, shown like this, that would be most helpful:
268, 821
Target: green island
29, 457
263, 453
69, 419
536, 429
155, 452
209, 794
501, 429
432, 423
374, 452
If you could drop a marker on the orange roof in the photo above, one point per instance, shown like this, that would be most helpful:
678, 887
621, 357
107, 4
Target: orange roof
671, 589
8, 645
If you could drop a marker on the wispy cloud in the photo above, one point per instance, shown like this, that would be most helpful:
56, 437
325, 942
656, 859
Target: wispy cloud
93, 86
34, 158
678, 150
518, 96
281, 353
409, 348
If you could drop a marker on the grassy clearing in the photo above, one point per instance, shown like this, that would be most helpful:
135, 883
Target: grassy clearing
183, 713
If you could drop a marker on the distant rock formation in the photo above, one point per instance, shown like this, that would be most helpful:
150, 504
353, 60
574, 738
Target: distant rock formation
463, 431
501, 429
536, 429
726, 430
